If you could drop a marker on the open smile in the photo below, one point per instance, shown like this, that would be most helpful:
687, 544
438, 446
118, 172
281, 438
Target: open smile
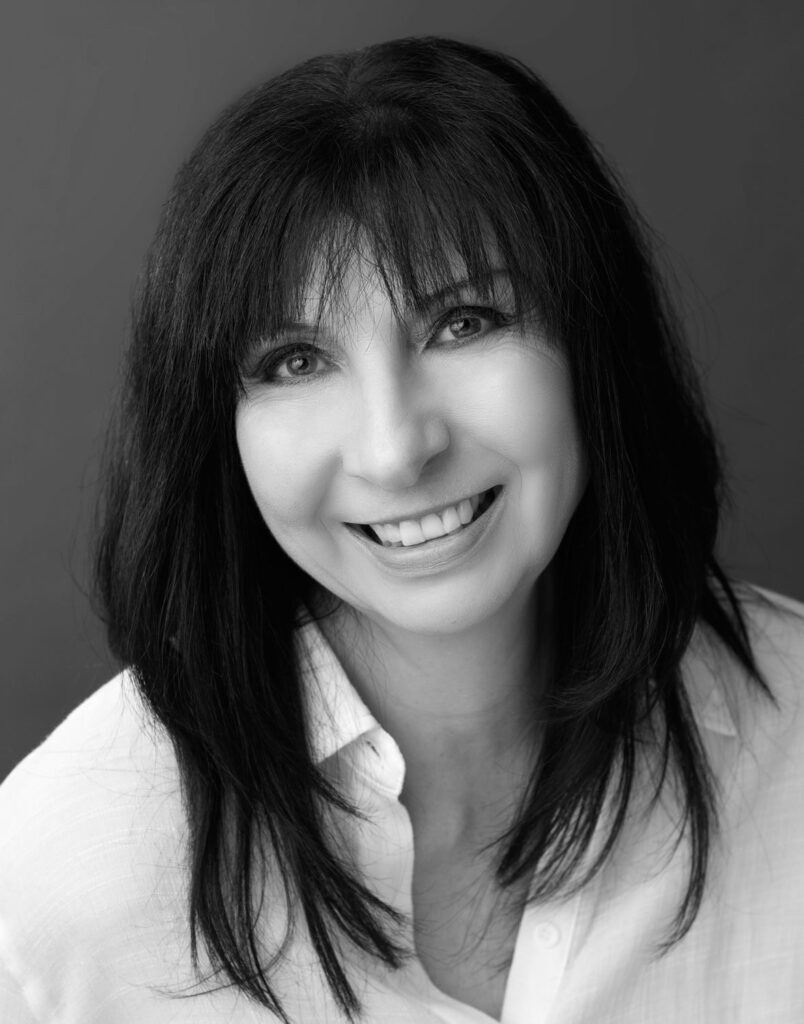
430, 527
439, 554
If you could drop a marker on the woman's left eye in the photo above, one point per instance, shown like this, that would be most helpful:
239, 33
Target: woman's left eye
468, 322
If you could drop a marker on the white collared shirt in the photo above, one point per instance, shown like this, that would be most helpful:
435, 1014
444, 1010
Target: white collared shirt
92, 882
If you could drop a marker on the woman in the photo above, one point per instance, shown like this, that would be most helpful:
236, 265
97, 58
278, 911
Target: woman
438, 704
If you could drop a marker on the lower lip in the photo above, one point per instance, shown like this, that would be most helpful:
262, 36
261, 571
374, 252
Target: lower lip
438, 554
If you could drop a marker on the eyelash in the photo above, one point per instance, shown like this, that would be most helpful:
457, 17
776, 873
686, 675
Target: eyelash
267, 369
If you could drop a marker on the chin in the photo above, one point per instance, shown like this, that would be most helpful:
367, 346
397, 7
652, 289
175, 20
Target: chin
440, 611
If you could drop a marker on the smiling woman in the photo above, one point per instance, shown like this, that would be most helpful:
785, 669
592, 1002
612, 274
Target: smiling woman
406, 428
435, 704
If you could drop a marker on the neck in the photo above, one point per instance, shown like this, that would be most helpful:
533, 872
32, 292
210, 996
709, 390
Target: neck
462, 707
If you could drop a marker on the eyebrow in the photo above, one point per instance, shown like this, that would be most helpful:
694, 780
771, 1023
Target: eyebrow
455, 287
292, 329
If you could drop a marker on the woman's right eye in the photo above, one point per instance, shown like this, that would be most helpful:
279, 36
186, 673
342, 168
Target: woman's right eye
291, 366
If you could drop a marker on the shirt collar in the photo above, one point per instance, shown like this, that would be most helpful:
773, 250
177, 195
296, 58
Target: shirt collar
339, 716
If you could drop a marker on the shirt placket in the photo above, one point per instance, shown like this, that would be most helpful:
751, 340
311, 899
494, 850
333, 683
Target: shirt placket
385, 852
540, 960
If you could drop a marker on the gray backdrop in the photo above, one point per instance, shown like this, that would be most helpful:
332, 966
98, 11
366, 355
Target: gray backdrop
697, 102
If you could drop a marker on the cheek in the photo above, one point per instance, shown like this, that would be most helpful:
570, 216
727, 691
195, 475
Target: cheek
525, 411
284, 464
528, 414
539, 434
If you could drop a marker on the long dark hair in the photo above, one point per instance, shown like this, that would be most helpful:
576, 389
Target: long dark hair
418, 148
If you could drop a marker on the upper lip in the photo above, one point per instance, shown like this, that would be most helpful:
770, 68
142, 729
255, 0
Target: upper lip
420, 513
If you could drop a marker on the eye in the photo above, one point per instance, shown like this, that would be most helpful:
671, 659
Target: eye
291, 365
468, 322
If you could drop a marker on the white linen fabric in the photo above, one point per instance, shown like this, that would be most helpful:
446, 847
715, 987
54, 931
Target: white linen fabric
93, 884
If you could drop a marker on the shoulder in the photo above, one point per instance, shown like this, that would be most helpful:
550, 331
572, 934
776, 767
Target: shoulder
753, 730
750, 927
754, 736
724, 697
775, 626
105, 759
772, 724
91, 832
105, 781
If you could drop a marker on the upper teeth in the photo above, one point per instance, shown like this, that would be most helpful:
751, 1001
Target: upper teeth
416, 531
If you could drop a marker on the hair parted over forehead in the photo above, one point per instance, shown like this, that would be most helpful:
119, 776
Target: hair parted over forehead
432, 160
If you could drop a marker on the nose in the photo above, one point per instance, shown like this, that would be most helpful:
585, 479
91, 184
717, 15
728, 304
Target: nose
397, 431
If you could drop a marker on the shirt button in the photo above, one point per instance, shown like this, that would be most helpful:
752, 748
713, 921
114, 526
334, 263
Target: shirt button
548, 935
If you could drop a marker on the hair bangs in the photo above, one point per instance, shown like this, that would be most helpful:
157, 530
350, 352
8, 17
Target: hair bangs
416, 230
437, 227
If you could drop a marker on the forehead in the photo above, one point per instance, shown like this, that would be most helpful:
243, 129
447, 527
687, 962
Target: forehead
331, 294
356, 281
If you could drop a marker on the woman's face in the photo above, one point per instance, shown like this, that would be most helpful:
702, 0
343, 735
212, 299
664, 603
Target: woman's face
377, 421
